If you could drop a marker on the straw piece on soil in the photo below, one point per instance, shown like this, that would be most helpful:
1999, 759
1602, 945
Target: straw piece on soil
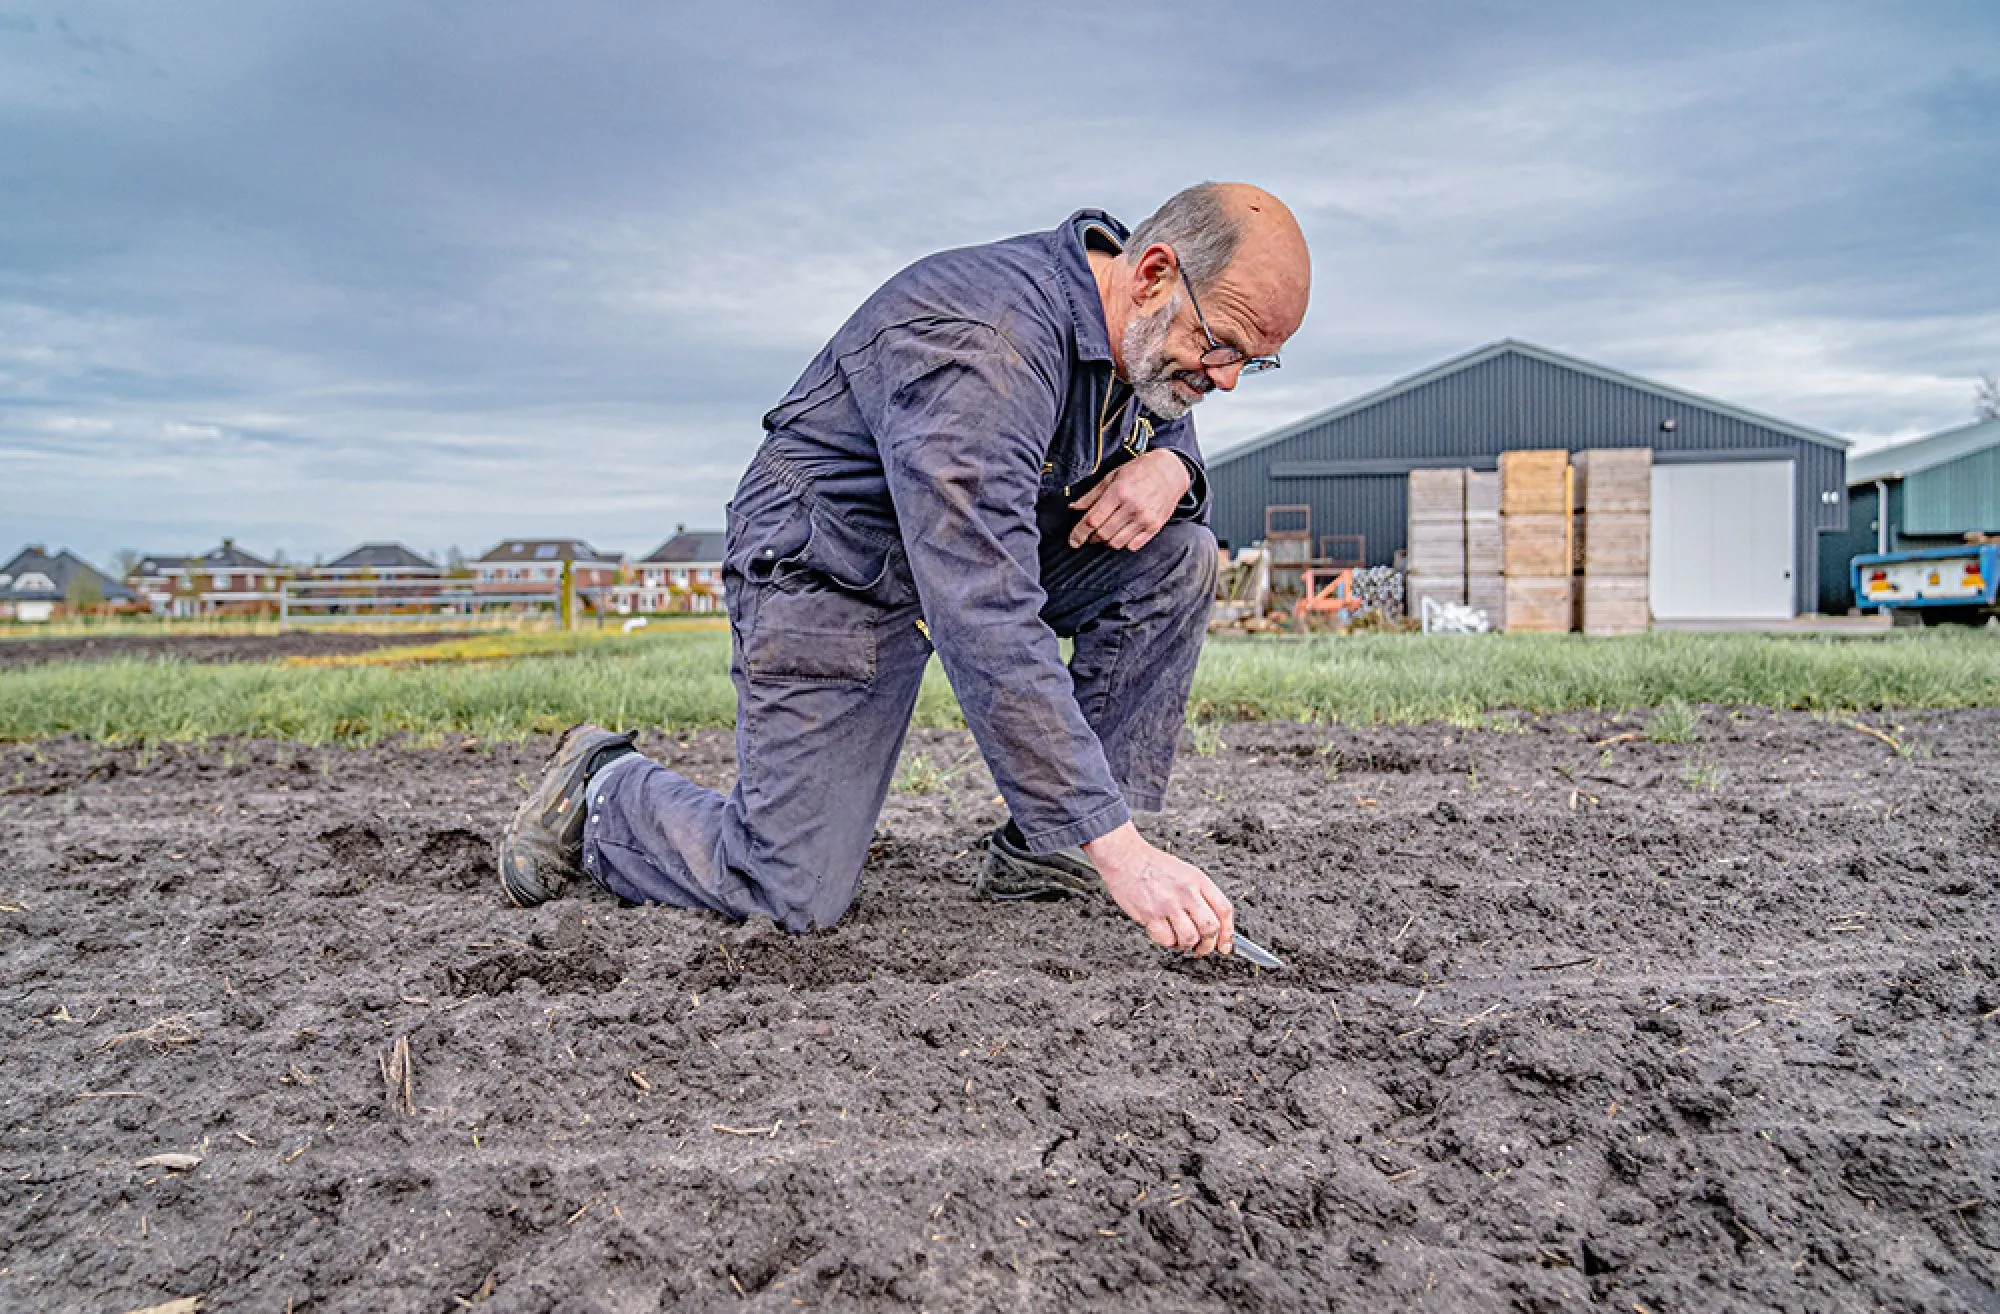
398, 1074
171, 1161
185, 1305
1871, 731
162, 1035
485, 1290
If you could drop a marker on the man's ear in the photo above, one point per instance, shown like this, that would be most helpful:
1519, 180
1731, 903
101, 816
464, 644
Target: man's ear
1155, 275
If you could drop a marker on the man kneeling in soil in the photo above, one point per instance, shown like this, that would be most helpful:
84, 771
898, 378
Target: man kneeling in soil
993, 452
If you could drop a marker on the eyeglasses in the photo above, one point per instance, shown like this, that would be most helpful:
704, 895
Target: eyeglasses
1220, 355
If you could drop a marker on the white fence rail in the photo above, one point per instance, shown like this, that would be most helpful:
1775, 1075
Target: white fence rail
316, 602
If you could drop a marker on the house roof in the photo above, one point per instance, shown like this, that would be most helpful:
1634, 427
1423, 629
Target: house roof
1920, 454
1506, 346
59, 570
547, 549
233, 557
382, 556
158, 562
689, 547
226, 557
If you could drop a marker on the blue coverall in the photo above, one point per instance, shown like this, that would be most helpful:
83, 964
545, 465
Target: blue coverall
913, 489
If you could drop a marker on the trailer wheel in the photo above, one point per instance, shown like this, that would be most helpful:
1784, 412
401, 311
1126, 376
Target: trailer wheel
1973, 616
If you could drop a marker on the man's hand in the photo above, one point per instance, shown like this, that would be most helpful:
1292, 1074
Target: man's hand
1178, 905
1128, 506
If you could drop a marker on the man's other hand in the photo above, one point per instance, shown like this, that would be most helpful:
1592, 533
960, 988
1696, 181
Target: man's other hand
1179, 906
1128, 506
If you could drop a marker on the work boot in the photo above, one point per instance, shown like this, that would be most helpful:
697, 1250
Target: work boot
542, 847
1011, 872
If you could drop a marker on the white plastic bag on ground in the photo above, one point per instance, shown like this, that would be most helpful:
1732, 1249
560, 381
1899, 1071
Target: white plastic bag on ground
1453, 618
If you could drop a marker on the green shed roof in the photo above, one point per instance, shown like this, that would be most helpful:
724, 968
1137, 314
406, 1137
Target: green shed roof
1919, 454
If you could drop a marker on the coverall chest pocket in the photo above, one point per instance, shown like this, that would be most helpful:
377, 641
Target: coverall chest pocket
826, 553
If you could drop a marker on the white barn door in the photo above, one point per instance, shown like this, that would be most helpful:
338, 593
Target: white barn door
1722, 541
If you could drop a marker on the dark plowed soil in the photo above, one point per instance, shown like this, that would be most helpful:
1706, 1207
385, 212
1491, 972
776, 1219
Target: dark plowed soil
15, 652
1627, 1026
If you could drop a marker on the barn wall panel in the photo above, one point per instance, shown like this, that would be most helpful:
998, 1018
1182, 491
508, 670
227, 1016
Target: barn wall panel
1504, 402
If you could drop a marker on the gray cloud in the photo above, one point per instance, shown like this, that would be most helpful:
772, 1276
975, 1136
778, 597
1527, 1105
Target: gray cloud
453, 273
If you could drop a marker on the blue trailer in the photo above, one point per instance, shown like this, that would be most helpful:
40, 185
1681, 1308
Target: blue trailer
1932, 586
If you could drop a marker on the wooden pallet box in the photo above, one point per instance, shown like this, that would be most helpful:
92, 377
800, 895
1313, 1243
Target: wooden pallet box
1437, 547
1442, 588
1614, 479
1614, 542
1483, 554
1537, 545
1615, 605
1437, 495
1540, 605
1488, 593
1482, 493
1534, 483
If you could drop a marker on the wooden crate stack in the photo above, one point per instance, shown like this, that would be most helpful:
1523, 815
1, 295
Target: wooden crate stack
1485, 586
1436, 547
1535, 549
1614, 531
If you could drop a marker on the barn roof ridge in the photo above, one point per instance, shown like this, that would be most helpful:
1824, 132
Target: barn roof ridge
1916, 455
1480, 355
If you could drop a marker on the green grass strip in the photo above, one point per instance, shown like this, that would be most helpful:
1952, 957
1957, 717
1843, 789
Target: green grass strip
1408, 678
680, 681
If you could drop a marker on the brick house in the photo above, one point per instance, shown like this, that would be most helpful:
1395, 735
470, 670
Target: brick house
534, 565
380, 561
682, 574
372, 578
225, 581
36, 584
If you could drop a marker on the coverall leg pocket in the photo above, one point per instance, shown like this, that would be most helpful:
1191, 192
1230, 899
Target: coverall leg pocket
825, 682
811, 636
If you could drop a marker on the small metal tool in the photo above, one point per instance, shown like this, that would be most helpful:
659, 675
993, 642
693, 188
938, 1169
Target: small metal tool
1252, 952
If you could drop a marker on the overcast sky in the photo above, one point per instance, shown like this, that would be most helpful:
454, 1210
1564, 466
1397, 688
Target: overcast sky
446, 273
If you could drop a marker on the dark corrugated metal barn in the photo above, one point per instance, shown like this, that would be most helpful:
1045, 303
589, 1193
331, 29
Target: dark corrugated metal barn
1350, 464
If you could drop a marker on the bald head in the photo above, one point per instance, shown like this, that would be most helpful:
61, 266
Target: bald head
1242, 253
1239, 242
1272, 264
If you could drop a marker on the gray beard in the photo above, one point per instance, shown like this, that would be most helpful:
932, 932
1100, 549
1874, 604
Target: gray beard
1149, 369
